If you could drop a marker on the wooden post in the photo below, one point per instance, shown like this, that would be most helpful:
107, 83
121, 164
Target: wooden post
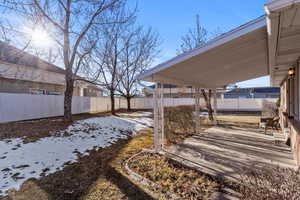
215, 107
162, 122
197, 110
155, 106
158, 118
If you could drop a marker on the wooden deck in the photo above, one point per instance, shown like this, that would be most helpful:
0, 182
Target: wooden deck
229, 151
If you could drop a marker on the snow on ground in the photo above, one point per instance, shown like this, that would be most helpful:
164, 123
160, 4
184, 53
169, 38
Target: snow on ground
19, 161
137, 114
144, 122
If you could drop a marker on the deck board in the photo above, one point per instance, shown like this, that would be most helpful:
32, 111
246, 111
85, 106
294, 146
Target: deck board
229, 151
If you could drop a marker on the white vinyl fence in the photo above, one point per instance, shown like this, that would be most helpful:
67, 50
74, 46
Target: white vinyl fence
241, 104
17, 107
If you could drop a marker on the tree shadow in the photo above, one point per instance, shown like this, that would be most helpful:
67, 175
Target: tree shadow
131, 190
76, 179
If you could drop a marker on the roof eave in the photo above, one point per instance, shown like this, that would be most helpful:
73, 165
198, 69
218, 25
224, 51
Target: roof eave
222, 39
277, 5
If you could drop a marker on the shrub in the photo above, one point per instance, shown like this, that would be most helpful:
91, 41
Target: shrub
179, 123
271, 184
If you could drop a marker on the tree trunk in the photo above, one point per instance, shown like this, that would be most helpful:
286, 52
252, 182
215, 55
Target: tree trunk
112, 101
68, 99
128, 103
207, 99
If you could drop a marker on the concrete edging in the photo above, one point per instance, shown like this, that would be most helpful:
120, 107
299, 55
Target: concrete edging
142, 179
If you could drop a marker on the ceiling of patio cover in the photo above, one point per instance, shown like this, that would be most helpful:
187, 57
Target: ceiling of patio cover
238, 55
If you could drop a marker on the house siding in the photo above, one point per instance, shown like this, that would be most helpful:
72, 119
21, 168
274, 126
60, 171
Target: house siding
289, 111
20, 79
21, 86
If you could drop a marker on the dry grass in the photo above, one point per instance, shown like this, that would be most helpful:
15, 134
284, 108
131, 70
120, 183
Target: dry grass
33, 130
250, 121
116, 184
98, 175
239, 119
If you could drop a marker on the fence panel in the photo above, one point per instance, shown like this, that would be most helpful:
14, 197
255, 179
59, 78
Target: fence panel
16, 107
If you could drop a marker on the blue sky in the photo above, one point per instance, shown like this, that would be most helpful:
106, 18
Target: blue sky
172, 18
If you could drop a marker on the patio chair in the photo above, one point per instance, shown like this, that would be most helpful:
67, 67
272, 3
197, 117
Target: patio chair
270, 123
270, 116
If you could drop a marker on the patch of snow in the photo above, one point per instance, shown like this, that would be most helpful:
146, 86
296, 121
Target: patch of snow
144, 122
19, 161
140, 114
200, 113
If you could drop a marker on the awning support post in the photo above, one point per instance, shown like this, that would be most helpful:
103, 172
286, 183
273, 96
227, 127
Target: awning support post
162, 122
215, 106
197, 110
158, 118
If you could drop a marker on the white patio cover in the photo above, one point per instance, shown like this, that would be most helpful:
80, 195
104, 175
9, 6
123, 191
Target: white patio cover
238, 55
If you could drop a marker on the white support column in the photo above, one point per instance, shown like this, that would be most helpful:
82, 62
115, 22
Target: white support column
298, 87
197, 110
162, 122
158, 118
215, 107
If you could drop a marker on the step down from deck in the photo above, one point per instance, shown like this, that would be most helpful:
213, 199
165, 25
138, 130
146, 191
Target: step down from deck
280, 137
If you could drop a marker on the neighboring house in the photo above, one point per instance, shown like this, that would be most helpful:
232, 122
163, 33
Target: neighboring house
173, 91
261, 92
21, 72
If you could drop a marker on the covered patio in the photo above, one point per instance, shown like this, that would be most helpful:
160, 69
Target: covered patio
229, 151
247, 52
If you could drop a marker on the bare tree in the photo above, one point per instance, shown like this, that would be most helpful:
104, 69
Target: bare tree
68, 22
107, 55
207, 99
141, 47
195, 38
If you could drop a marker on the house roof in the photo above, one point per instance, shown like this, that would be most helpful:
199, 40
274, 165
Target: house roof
13, 55
254, 90
166, 86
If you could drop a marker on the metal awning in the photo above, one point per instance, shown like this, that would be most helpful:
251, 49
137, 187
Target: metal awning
238, 55
269, 45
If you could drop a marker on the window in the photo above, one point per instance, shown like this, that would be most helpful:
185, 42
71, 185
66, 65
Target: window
37, 91
53, 93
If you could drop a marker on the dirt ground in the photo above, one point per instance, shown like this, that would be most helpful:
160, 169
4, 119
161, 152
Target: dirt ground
33, 130
96, 176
